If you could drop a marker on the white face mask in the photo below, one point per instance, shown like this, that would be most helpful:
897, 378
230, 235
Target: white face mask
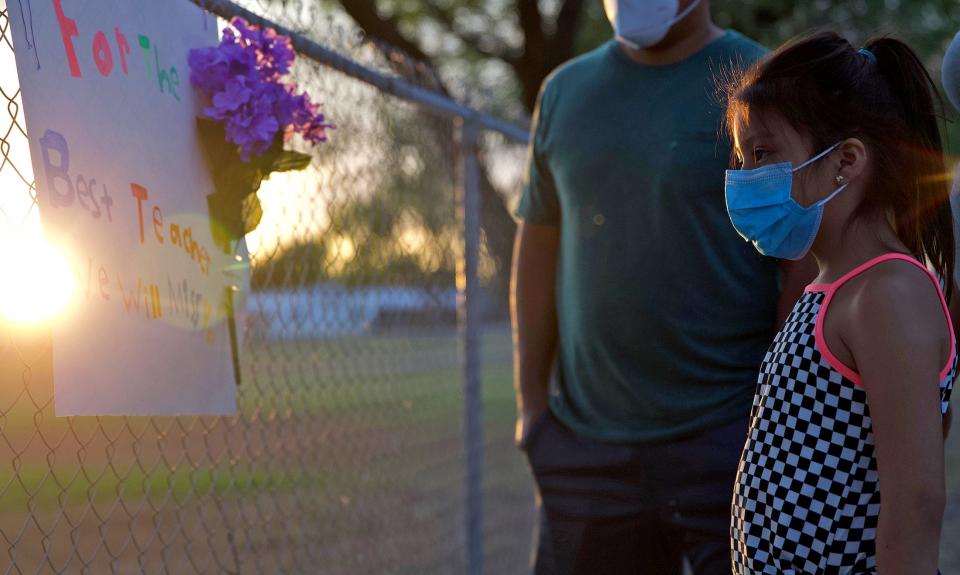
644, 23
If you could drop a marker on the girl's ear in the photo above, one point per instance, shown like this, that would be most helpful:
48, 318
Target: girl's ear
853, 159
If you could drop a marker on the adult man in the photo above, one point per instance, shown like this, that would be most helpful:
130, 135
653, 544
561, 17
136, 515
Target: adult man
950, 77
628, 272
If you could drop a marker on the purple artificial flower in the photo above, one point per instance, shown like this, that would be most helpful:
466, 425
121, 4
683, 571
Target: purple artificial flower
234, 94
254, 134
274, 52
242, 78
208, 69
316, 131
252, 124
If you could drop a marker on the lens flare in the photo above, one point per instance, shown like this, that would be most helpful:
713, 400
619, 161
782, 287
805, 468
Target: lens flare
38, 282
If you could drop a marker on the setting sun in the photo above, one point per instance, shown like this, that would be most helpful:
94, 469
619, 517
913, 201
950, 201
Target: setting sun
41, 283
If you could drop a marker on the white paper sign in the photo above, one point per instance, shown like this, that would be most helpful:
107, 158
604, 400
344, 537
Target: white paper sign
122, 185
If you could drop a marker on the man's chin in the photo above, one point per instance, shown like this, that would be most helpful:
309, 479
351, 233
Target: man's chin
665, 43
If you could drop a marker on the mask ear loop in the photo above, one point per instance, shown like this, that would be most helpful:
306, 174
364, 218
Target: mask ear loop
685, 12
817, 157
814, 159
833, 195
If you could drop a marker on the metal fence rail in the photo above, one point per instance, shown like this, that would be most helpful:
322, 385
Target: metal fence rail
364, 442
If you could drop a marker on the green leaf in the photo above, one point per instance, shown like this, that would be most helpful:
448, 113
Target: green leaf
218, 151
225, 220
252, 213
234, 207
289, 160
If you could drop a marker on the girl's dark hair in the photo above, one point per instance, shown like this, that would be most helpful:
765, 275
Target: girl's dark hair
830, 91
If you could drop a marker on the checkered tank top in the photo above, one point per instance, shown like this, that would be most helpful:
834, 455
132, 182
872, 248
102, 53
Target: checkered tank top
806, 498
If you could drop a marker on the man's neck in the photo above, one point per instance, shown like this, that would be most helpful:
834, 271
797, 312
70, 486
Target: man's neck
684, 40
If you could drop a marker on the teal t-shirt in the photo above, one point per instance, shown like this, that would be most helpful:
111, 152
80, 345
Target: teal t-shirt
664, 312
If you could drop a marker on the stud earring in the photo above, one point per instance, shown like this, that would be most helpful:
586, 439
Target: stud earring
840, 179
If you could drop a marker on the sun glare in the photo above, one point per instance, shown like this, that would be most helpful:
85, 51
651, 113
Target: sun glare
38, 285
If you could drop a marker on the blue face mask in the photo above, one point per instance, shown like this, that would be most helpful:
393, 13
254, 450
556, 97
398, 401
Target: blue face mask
763, 211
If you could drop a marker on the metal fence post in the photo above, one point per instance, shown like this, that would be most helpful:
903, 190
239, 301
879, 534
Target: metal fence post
469, 320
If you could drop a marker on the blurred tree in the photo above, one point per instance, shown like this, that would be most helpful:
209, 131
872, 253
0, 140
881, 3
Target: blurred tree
501, 48
496, 53
505, 48
522, 38
927, 25
401, 233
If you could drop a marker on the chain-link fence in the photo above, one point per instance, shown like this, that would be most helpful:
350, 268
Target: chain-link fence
360, 361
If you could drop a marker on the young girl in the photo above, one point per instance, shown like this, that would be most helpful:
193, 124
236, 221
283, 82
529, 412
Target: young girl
841, 155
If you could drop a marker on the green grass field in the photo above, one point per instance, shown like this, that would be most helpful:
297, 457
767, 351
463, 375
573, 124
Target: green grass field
347, 452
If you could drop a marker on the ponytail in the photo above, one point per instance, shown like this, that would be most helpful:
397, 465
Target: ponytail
926, 225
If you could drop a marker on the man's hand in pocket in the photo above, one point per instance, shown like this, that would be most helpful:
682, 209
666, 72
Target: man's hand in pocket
526, 420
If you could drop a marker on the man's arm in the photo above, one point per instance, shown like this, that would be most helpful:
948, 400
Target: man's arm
795, 275
955, 319
533, 312
947, 419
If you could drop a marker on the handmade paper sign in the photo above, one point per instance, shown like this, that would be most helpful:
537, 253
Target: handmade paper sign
122, 186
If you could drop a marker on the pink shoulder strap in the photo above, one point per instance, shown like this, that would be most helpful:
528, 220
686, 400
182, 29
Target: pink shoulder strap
831, 288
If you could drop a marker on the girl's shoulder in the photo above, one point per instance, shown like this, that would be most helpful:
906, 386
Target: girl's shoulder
893, 303
893, 284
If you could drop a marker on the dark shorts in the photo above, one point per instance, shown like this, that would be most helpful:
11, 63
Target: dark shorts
633, 508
